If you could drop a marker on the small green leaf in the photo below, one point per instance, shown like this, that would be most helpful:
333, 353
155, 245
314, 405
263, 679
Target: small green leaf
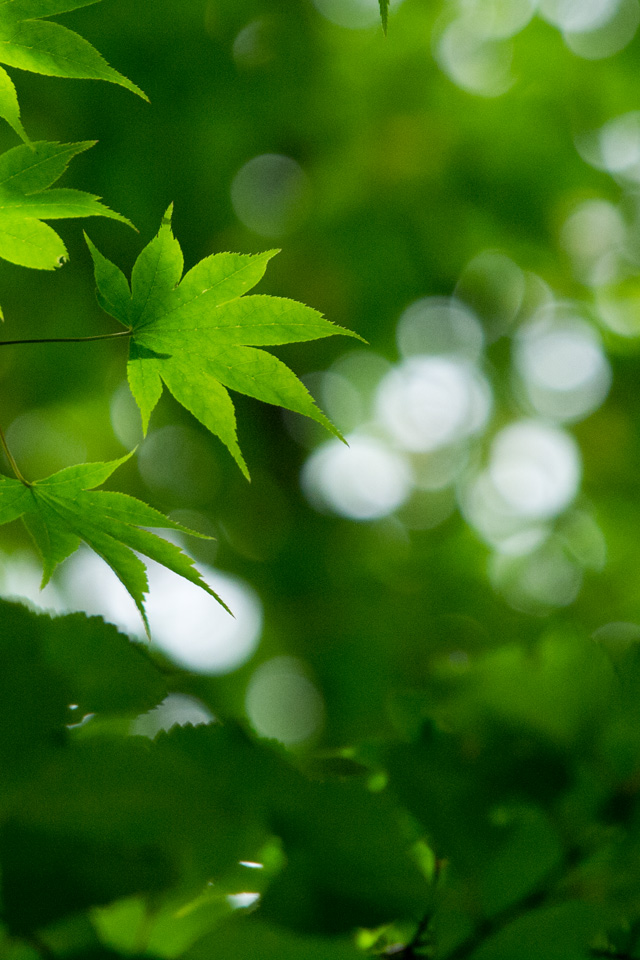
26, 174
384, 13
198, 335
62, 510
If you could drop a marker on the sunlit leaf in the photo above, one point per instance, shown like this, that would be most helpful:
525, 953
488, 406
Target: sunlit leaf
26, 174
198, 335
63, 510
41, 46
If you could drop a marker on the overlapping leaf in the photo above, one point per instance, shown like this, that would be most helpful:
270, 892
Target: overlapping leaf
31, 43
26, 175
198, 335
64, 509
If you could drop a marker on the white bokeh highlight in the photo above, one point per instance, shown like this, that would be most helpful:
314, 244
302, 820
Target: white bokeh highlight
535, 469
428, 402
177, 709
282, 703
186, 623
562, 366
578, 16
363, 481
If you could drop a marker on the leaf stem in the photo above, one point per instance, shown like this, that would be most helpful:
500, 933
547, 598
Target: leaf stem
10, 458
100, 336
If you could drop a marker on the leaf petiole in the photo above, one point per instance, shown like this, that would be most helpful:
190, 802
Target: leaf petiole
100, 336
10, 458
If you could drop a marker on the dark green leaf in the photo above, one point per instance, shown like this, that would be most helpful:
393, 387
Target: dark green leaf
384, 13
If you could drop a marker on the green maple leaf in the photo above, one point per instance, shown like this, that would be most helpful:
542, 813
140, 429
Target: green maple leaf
26, 174
31, 43
199, 335
64, 509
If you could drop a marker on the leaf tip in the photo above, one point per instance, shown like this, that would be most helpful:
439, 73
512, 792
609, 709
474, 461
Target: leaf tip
168, 216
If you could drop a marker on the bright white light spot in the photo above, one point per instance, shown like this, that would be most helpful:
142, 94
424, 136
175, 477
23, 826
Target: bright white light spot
270, 194
474, 63
186, 623
594, 235
498, 18
240, 900
608, 38
282, 703
620, 142
535, 469
429, 402
363, 481
439, 325
565, 372
354, 14
20, 579
177, 709
252, 865
578, 15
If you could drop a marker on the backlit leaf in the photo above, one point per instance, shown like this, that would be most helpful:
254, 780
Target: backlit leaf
199, 336
26, 173
31, 43
62, 510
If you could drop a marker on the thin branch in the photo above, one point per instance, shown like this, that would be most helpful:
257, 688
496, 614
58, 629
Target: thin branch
100, 336
12, 462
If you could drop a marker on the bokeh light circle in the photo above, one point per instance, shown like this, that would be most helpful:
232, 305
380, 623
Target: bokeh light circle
270, 194
363, 481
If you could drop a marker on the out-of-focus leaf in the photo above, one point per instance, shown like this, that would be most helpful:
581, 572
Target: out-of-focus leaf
34, 695
107, 672
245, 938
48, 875
384, 13
559, 932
